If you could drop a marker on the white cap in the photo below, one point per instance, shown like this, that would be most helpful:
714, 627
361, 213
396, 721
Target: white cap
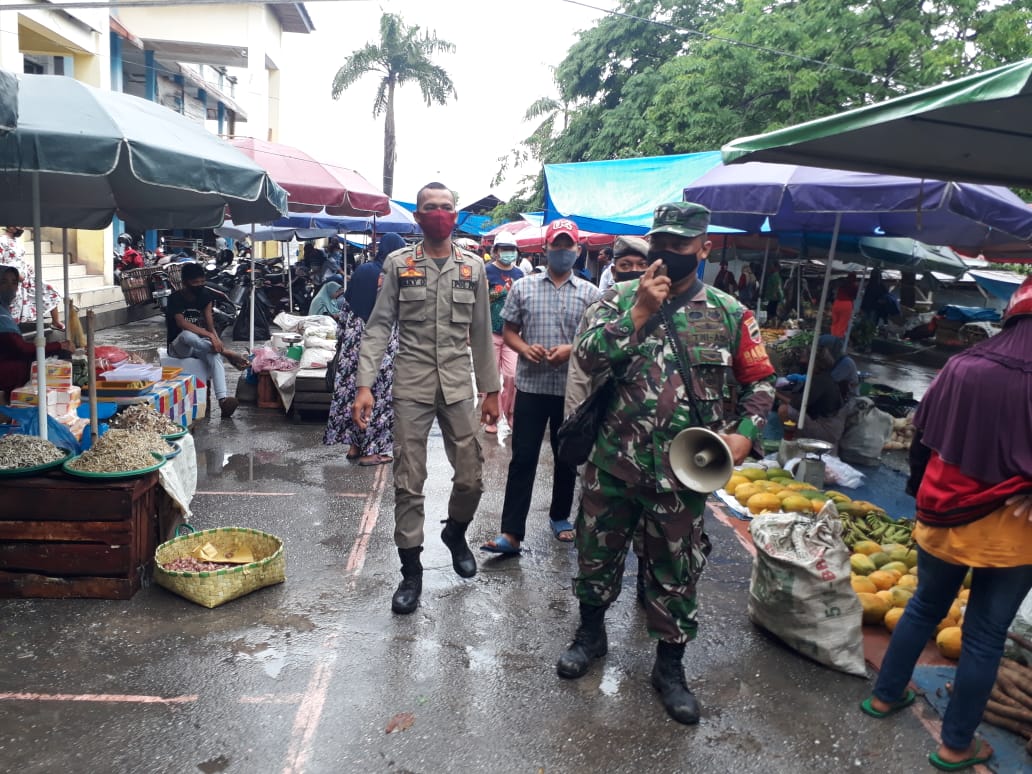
504, 239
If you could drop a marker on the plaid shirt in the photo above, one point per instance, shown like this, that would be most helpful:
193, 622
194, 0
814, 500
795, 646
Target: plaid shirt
549, 316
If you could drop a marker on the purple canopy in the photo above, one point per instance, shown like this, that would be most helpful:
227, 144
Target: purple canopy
759, 197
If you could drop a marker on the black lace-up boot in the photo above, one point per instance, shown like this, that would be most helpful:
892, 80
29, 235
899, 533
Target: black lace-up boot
668, 679
589, 642
454, 536
406, 598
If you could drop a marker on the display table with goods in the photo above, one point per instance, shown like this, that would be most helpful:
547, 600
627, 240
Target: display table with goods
86, 525
291, 372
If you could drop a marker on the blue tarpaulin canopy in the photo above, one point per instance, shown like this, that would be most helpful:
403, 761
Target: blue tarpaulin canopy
619, 196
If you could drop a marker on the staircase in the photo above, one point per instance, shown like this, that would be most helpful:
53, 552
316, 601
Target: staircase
88, 291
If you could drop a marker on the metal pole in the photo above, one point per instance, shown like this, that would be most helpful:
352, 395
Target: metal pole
91, 365
41, 339
67, 295
799, 291
763, 275
817, 324
253, 280
856, 301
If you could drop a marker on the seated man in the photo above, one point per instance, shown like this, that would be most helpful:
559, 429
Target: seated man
191, 333
825, 419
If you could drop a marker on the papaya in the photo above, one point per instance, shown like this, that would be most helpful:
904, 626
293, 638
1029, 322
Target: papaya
912, 571
945, 623
967, 580
862, 584
764, 501
866, 547
907, 582
795, 504
734, 482
799, 486
892, 617
778, 473
883, 580
874, 608
949, 640
899, 555
745, 491
911, 559
955, 611
861, 565
753, 474
900, 596
964, 594
899, 567
884, 595
890, 547
880, 559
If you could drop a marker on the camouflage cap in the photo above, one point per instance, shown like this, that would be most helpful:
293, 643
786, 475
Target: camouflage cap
685, 219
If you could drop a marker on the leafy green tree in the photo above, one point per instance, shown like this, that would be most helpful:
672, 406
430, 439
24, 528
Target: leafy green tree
403, 55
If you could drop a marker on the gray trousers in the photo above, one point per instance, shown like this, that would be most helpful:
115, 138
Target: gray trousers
412, 423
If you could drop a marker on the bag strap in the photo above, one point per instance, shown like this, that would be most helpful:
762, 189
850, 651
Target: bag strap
682, 362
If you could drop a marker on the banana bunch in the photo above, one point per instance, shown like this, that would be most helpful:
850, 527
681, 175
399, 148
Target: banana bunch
877, 526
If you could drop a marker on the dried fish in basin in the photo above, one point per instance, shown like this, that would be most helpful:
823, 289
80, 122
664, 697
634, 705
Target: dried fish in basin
143, 417
118, 451
27, 451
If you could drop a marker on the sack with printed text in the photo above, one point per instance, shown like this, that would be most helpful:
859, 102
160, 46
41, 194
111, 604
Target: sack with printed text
800, 590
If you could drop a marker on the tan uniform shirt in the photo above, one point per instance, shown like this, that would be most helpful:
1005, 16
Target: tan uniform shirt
439, 313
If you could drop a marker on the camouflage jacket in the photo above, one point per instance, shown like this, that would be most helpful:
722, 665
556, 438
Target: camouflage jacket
722, 343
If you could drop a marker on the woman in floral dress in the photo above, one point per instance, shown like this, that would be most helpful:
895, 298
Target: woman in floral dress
374, 445
23, 309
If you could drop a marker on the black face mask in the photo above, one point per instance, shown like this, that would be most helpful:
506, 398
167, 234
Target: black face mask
678, 266
17, 232
623, 276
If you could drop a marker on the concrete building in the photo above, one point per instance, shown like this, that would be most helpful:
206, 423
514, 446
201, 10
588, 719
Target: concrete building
217, 64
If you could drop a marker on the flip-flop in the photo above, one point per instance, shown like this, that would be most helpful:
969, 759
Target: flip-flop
903, 703
974, 760
559, 527
501, 545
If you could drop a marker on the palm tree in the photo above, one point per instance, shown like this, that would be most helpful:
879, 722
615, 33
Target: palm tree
402, 56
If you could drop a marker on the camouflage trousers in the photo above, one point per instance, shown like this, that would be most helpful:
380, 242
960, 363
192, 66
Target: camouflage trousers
674, 549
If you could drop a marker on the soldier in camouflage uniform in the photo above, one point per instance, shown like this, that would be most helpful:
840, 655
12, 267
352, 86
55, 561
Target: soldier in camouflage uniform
628, 477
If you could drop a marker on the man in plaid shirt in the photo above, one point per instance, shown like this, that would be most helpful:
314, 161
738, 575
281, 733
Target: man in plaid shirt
542, 314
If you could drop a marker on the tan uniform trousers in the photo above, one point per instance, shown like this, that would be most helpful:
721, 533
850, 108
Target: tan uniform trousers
459, 426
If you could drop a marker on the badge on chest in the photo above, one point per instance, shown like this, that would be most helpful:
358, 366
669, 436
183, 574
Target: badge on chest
465, 281
411, 276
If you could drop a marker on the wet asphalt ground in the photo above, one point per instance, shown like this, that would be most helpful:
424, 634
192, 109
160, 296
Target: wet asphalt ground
307, 676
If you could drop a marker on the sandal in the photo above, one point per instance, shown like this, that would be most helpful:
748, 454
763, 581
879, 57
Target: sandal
895, 707
974, 760
559, 527
501, 545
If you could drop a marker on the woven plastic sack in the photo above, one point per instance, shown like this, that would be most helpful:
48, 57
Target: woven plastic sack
800, 590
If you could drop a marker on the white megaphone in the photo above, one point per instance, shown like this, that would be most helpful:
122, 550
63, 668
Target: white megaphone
701, 460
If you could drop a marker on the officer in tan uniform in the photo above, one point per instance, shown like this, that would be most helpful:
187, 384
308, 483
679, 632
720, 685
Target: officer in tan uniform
437, 295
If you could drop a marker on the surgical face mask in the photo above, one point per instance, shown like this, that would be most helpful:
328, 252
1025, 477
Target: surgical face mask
561, 261
437, 225
508, 257
678, 266
624, 276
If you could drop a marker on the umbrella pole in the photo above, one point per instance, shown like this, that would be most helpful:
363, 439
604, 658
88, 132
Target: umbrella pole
290, 286
799, 291
820, 319
91, 365
67, 296
763, 276
41, 339
859, 295
344, 268
253, 280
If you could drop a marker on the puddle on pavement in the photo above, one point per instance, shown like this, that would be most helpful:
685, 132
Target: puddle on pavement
481, 658
611, 679
271, 660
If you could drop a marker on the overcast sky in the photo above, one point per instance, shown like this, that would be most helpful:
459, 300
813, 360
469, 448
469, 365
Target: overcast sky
504, 52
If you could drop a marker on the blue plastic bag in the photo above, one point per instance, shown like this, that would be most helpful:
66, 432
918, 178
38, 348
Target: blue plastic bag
28, 424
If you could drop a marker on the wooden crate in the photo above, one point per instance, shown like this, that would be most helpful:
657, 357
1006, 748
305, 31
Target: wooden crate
310, 395
76, 538
268, 396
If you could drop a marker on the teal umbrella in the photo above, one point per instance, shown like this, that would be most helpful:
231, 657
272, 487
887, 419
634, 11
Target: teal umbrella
80, 155
976, 129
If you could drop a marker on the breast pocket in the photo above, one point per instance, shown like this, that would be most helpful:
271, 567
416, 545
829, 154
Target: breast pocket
462, 305
412, 304
710, 369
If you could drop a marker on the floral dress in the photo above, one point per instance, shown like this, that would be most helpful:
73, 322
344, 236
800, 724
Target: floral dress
378, 437
23, 308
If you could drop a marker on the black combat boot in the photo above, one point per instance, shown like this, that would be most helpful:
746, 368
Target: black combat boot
589, 642
454, 536
406, 598
640, 584
668, 679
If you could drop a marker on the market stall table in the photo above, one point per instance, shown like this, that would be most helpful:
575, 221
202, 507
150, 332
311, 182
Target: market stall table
179, 398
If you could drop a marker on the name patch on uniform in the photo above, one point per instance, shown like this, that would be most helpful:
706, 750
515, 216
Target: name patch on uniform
411, 277
464, 284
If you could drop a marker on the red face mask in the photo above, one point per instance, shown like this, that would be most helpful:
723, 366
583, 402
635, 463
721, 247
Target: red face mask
437, 225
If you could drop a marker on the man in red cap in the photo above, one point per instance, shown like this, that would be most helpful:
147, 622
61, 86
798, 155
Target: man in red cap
541, 317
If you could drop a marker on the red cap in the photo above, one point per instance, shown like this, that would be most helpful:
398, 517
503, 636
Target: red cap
561, 226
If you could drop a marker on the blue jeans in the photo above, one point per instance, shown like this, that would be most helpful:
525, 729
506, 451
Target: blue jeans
996, 595
189, 344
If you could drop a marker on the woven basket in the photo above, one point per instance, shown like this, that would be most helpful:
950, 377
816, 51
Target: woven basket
212, 589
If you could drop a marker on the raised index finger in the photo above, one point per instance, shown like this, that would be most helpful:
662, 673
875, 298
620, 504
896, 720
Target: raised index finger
650, 272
